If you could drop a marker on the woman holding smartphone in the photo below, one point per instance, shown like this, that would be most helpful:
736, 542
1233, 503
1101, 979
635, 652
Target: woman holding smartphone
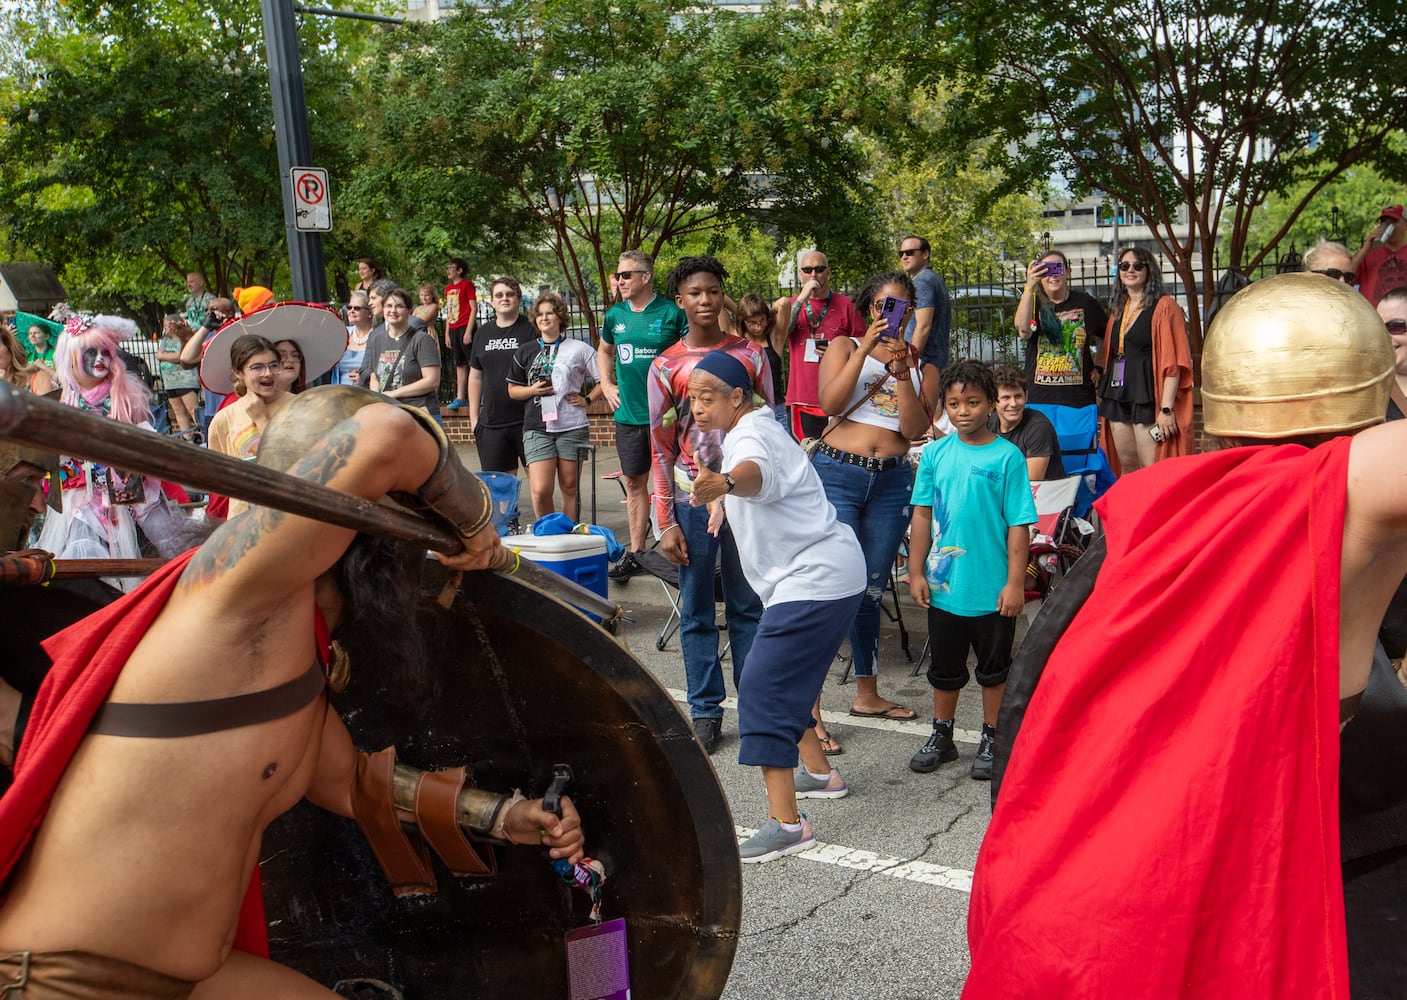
1145, 396
1059, 326
863, 462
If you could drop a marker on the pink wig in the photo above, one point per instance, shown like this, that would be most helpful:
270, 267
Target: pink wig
130, 402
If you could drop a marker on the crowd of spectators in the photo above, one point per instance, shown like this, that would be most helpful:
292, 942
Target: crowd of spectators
907, 445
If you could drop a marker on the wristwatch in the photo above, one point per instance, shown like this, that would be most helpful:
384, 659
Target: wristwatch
729, 480
1167, 410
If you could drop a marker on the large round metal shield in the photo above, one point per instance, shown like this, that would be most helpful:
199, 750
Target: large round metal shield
522, 682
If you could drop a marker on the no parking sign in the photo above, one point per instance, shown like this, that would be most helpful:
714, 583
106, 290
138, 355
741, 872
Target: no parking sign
312, 211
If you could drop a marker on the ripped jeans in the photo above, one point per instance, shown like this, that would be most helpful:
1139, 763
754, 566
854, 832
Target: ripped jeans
877, 506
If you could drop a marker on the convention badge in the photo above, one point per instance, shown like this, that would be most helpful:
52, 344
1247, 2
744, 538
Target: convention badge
598, 962
812, 354
549, 408
1116, 374
125, 489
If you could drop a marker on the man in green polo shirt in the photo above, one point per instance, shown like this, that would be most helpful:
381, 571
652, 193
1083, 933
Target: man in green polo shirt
636, 330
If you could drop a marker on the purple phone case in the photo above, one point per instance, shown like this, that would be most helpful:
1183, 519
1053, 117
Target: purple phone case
894, 311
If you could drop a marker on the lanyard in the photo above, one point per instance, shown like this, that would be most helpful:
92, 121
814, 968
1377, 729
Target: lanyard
1126, 320
811, 315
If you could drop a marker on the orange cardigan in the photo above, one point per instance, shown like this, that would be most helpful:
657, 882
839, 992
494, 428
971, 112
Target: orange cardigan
1172, 355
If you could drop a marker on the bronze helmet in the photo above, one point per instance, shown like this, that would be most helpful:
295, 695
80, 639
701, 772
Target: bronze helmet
1292, 355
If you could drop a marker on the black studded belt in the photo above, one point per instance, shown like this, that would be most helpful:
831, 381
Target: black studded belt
867, 462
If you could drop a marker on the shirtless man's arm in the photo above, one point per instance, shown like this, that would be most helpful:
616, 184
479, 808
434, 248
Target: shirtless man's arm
1374, 558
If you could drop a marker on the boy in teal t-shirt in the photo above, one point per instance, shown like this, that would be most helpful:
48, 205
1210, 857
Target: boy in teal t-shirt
968, 548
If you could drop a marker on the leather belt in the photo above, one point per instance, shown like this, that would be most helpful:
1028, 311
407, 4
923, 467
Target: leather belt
867, 462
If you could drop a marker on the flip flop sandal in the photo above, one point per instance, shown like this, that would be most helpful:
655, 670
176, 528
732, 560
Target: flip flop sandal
898, 713
830, 747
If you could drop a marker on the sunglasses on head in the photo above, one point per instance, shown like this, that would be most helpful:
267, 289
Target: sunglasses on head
816, 269
1132, 265
1333, 272
1397, 326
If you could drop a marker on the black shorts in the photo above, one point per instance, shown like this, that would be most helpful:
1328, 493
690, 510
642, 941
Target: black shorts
178, 393
633, 447
458, 349
989, 636
500, 448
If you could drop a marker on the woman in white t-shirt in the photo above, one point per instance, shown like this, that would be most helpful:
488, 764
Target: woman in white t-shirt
549, 373
808, 571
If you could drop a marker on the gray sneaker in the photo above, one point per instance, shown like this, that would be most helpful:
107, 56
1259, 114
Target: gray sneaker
982, 763
831, 787
772, 842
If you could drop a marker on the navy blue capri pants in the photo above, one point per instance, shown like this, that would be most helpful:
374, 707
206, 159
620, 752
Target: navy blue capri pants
784, 670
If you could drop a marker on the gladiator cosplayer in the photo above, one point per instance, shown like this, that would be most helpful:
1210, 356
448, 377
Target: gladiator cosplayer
1167, 823
177, 723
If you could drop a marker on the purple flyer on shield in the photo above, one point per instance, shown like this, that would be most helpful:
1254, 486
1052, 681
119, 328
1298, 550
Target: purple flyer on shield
598, 963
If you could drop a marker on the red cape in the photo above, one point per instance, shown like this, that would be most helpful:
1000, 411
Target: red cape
87, 657
1168, 823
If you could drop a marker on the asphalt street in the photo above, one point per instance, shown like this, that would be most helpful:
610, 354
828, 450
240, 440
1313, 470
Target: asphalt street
879, 908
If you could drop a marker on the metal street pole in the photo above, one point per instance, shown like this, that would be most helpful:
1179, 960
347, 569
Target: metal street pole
295, 146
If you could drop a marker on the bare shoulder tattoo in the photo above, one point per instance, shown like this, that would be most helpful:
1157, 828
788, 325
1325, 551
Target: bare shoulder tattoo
235, 539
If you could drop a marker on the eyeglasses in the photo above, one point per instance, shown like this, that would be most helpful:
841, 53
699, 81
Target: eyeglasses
262, 369
627, 275
356, 309
1397, 326
1333, 272
1132, 265
818, 269
910, 253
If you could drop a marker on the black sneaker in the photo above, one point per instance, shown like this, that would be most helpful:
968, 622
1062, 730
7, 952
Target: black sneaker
938, 750
982, 763
627, 567
708, 731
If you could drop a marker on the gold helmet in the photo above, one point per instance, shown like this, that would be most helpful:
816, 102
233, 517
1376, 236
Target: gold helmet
1292, 355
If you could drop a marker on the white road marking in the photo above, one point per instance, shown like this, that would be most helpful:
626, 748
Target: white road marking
941, 876
919, 727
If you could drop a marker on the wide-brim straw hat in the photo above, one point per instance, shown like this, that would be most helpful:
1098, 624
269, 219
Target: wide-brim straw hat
318, 331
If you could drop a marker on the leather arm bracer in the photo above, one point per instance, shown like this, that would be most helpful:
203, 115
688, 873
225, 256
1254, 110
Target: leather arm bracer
452, 492
442, 805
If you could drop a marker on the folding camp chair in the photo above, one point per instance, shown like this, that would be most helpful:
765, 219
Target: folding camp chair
667, 573
1077, 428
503, 491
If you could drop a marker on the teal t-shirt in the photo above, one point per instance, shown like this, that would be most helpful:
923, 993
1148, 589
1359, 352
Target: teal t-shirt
977, 493
639, 338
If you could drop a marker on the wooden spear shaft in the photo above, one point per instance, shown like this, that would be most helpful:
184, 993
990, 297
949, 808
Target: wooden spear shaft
67, 430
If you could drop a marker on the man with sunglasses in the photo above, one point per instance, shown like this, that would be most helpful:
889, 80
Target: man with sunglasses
636, 330
930, 313
1330, 259
1380, 265
812, 319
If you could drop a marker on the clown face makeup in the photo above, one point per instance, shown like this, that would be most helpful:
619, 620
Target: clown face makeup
97, 363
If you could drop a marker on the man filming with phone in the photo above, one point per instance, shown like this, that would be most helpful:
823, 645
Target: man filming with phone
812, 319
1380, 265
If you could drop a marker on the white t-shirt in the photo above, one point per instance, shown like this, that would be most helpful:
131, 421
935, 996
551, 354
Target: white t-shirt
790, 544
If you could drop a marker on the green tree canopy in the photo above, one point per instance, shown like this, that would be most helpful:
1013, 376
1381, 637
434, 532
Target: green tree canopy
145, 147
1194, 111
633, 123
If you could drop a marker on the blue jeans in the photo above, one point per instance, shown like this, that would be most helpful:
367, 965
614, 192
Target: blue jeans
698, 626
876, 506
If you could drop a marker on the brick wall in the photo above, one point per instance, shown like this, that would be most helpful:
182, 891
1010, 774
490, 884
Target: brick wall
599, 412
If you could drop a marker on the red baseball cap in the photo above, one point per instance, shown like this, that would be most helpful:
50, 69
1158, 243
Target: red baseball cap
1393, 212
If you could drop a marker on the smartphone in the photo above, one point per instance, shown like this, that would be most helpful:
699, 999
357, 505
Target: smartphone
893, 313
1387, 233
1053, 269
